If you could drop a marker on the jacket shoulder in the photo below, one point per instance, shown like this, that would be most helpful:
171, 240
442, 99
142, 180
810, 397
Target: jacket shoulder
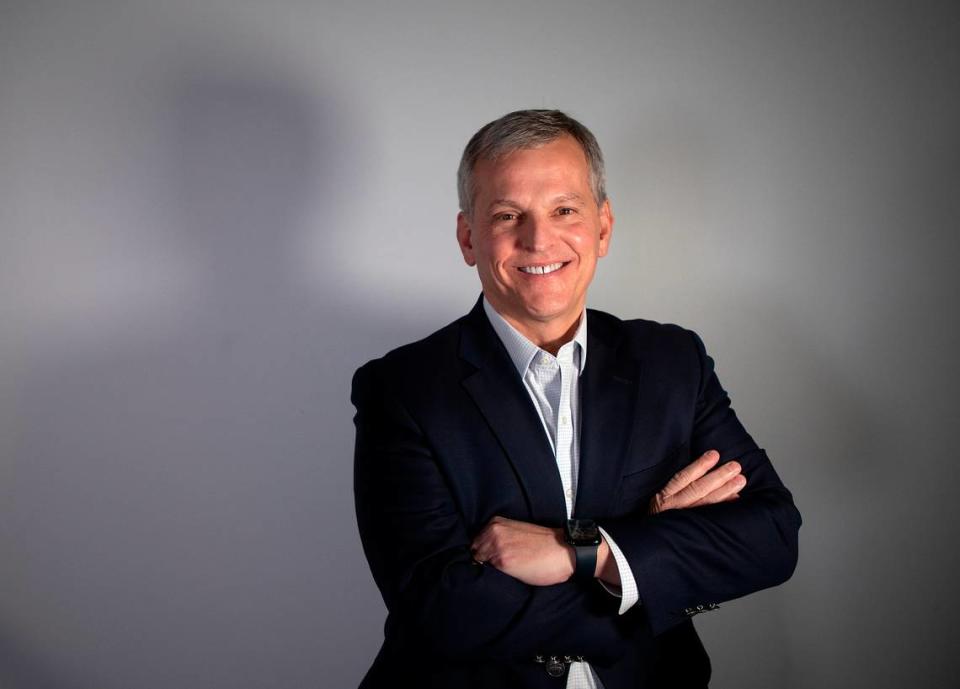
674, 352
412, 363
642, 334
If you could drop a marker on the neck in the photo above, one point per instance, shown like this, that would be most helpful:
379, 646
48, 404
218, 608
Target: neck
549, 336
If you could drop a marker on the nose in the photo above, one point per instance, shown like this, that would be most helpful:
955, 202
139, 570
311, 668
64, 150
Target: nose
535, 233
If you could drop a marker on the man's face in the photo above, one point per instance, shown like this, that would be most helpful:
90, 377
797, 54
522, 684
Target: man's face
535, 234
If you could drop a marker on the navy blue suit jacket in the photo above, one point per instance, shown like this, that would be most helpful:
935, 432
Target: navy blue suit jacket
447, 438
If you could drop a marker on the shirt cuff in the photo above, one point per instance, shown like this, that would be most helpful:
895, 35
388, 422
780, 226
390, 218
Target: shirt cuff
627, 591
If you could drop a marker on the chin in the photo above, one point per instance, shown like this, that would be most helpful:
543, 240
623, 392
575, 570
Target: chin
544, 313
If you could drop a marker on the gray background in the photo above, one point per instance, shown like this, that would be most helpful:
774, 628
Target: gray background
212, 212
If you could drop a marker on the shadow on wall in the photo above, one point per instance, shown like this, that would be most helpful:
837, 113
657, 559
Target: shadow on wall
22, 667
178, 492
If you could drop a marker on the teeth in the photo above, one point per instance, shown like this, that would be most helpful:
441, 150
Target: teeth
541, 270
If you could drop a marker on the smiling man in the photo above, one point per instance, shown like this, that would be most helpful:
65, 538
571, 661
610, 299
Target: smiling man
534, 230
547, 494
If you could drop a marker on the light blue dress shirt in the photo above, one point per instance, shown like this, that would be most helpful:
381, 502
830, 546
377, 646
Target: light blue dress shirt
553, 383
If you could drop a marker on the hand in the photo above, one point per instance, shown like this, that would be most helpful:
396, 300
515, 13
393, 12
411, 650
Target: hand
696, 485
536, 555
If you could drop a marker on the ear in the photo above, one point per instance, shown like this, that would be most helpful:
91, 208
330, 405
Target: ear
465, 239
606, 227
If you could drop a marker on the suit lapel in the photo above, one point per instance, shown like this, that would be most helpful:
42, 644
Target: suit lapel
608, 397
503, 401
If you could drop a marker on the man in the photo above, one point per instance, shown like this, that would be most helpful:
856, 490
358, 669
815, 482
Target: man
477, 445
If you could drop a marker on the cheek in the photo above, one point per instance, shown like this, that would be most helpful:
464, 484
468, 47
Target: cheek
498, 251
490, 264
583, 243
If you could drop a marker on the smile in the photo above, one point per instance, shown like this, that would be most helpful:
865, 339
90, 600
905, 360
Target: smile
542, 270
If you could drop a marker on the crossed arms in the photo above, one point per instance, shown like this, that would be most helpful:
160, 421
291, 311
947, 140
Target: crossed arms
707, 536
538, 555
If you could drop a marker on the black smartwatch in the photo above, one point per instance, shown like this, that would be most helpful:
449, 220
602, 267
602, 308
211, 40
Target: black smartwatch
584, 536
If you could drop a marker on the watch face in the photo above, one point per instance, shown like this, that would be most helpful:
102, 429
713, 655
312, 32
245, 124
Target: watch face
583, 532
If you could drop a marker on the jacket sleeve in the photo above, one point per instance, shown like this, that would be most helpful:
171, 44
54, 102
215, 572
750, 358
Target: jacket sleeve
690, 560
417, 544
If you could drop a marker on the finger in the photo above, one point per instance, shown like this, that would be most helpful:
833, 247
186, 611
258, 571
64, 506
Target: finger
481, 541
490, 541
728, 491
496, 525
690, 473
480, 537
704, 485
481, 550
476, 545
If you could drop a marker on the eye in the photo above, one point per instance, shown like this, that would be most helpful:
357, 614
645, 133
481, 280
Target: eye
566, 211
505, 217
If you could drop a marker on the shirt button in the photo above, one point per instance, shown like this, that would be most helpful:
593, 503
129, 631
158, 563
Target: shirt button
569, 492
564, 420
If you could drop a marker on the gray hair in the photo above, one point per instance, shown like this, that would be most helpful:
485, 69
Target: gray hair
525, 129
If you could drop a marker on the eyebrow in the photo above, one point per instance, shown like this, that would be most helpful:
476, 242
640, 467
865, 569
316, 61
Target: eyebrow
572, 196
501, 202
563, 198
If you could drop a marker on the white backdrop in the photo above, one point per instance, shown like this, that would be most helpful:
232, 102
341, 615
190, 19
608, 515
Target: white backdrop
212, 212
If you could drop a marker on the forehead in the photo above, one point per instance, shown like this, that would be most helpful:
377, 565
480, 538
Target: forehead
560, 165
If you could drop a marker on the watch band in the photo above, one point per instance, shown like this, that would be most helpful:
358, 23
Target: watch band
586, 565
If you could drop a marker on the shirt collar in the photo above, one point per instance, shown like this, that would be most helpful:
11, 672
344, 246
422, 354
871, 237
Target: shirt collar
521, 350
